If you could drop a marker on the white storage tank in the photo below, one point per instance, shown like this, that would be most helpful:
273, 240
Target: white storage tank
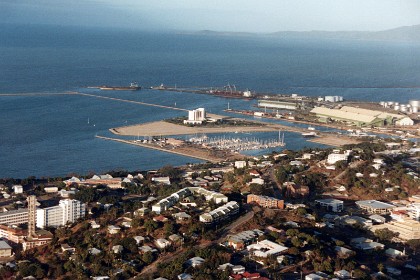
415, 104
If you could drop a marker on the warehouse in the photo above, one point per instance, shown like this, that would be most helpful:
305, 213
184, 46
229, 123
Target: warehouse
360, 117
324, 114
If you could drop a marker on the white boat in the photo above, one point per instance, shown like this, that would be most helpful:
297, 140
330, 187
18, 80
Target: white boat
311, 128
309, 134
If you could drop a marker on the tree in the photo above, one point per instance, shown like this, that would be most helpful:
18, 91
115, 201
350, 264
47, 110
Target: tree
281, 174
414, 245
296, 242
360, 274
86, 195
292, 232
385, 234
341, 165
170, 171
230, 177
129, 244
169, 228
150, 226
148, 258
256, 189
301, 211
381, 267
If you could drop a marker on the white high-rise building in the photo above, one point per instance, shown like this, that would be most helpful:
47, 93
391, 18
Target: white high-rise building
196, 116
414, 211
68, 210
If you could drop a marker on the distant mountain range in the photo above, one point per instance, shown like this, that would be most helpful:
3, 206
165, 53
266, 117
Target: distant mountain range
405, 33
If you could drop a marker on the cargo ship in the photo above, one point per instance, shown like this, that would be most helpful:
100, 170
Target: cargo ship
133, 86
231, 92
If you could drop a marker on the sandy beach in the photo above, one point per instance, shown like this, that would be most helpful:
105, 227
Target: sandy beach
164, 128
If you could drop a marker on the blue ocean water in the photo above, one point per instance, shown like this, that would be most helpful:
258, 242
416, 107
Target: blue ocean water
51, 136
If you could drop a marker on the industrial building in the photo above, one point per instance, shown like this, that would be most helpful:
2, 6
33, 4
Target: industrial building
335, 98
360, 117
277, 104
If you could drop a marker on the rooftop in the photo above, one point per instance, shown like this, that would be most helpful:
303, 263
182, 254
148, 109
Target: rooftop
374, 204
4, 245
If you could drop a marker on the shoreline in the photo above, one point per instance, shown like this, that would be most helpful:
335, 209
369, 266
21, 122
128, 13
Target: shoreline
190, 151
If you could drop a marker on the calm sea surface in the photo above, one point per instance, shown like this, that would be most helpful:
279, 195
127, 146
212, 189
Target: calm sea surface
51, 135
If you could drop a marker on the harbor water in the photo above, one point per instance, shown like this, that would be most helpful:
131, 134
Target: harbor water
54, 135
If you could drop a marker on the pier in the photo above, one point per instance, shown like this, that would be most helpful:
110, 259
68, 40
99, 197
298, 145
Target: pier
130, 101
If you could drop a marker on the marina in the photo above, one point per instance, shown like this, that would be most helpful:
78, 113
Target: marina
235, 144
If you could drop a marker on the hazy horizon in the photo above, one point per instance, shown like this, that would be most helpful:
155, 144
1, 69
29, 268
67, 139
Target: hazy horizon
234, 16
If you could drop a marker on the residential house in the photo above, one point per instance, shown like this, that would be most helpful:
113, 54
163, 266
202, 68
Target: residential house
5, 250
365, 244
195, 261
295, 191
162, 243
145, 248
162, 180
18, 189
240, 240
117, 249
139, 239
94, 251
141, 212
67, 248
342, 274
185, 276
181, 216
240, 164
113, 229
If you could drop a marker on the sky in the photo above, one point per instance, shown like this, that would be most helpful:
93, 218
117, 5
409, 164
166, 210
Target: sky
262, 16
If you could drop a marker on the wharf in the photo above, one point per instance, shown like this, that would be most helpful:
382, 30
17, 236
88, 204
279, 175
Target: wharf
187, 151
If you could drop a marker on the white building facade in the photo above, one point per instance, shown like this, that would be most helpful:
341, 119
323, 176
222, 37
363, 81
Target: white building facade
334, 157
196, 116
68, 210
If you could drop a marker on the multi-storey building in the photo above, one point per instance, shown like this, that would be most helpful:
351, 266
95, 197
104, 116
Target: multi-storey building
414, 211
196, 116
68, 210
14, 217
221, 213
331, 204
265, 201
